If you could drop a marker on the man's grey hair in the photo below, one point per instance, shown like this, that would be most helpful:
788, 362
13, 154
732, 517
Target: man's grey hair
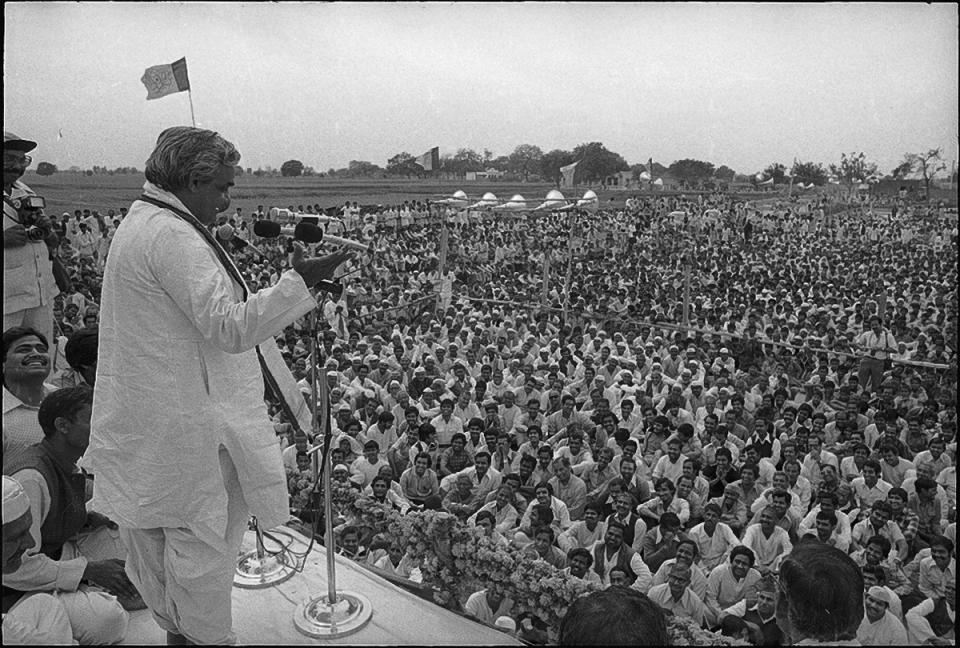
182, 151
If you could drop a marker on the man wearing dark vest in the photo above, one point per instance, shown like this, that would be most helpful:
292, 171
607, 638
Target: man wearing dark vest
760, 610
68, 539
634, 528
612, 554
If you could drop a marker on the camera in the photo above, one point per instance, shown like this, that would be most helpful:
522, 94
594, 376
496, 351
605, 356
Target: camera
29, 209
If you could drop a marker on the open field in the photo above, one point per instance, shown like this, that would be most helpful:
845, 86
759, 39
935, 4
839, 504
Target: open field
69, 191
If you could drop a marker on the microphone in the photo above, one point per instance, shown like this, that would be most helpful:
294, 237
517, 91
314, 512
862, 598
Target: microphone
227, 236
306, 232
278, 214
355, 245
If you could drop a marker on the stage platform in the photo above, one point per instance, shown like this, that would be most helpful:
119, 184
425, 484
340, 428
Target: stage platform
265, 616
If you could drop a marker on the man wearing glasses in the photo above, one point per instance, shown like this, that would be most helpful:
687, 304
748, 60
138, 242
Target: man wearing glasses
28, 284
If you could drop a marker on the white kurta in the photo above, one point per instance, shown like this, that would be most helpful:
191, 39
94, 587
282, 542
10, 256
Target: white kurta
178, 377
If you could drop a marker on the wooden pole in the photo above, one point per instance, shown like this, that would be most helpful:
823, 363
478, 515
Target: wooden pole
190, 97
546, 277
686, 290
441, 267
572, 228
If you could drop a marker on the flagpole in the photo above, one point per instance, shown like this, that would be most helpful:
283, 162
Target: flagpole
190, 97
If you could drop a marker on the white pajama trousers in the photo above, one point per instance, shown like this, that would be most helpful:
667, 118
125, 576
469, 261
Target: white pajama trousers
186, 581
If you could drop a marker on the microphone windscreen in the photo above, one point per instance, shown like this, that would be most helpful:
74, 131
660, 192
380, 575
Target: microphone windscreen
266, 229
225, 232
308, 233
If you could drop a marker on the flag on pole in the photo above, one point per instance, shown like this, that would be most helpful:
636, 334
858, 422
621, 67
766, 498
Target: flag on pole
162, 80
430, 161
568, 173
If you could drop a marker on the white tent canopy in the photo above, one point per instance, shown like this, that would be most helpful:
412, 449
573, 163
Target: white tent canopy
554, 200
488, 201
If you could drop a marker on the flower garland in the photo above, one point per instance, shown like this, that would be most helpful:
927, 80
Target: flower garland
300, 485
456, 560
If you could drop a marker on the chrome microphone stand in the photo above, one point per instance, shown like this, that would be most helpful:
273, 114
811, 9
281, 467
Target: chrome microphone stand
337, 613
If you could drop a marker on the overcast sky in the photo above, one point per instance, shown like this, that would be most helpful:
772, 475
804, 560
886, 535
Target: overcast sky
742, 85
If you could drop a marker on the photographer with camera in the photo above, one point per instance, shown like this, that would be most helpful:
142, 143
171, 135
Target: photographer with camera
28, 240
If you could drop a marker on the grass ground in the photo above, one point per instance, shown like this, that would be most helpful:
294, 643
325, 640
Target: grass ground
69, 191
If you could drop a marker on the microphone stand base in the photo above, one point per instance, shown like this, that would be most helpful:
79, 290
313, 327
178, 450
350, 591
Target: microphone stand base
254, 572
316, 617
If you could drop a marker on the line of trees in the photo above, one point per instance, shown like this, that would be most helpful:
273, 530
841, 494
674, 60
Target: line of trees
596, 163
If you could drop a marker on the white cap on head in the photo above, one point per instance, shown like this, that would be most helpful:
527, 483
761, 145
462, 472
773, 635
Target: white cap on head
506, 623
15, 501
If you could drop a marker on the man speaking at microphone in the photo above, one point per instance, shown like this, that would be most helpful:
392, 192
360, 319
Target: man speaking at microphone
181, 445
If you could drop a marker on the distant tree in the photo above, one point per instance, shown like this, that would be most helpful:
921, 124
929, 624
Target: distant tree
501, 163
259, 172
901, 171
362, 168
525, 160
331, 173
724, 174
46, 169
691, 171
596, 162
776, 171
487, 156
291, 168
238, 170
551, 162
249, 171
404, 164
853, 170
309, 171
809, 173
468, 160
926, 164
88, 172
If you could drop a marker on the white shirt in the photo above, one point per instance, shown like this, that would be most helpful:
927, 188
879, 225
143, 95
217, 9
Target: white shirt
21, 428
689, 604
887, 631
714, 550
768, 551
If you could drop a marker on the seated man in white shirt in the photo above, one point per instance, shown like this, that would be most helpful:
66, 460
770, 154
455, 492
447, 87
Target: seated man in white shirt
879, 523
579, 561
39, 618
715, 540
827, 502
731, 582
365, 468
586, 532
489, 604
688, 554
290, 453
880, 627
676, 596
769, 542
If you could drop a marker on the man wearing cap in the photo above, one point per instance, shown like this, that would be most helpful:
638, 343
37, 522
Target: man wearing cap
28, 284
39, 619
723, 361
879, 626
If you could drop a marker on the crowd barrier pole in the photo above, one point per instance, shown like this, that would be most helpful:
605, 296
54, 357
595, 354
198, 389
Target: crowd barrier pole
684, 329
